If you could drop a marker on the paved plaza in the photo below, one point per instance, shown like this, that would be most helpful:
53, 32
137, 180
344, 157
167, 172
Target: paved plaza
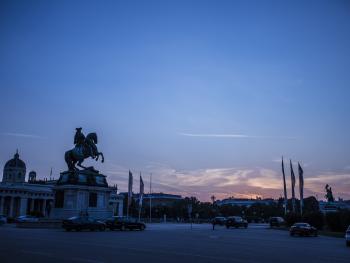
168, 243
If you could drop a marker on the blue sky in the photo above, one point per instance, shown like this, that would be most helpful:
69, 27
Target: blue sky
206, 95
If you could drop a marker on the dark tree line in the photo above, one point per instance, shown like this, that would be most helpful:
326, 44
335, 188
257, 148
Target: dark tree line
208, 210
204, 211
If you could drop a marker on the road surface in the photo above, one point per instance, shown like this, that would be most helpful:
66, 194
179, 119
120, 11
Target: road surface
169, 243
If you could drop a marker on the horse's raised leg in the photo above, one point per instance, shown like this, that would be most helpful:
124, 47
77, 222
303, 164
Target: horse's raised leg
79, 164
103, 158
73, 166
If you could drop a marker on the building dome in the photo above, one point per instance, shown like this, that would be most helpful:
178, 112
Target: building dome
15, 162
14, 170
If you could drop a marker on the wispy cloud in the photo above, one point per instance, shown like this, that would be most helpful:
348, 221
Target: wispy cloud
215, 135
232, 135
22, 135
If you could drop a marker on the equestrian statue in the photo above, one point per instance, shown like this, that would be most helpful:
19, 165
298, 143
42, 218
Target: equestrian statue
85, 147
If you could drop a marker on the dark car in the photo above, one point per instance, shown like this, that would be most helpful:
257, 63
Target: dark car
26, 218
219, 220
276, 221
78, 223
236, 221
303, 229
123, 223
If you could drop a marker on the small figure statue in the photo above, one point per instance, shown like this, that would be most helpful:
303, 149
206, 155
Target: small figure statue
329, 194
85, 147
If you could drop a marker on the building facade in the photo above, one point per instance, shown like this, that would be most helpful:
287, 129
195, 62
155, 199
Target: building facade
244, 202
157, 199
116, 201
18, 197
329, 207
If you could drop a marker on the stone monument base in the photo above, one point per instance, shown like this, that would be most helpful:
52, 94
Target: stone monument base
89, 176
82, 192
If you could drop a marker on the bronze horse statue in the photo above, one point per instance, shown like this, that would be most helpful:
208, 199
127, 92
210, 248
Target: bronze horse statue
84, 148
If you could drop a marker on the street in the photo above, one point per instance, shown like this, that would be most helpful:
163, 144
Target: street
168, 243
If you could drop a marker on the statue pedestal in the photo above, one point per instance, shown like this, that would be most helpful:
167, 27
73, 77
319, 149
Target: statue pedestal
78, 192
85, 177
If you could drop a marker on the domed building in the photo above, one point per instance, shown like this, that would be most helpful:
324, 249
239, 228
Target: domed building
18, 197
14, 170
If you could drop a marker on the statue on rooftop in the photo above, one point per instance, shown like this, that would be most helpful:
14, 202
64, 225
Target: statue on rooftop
329, 194
85, 147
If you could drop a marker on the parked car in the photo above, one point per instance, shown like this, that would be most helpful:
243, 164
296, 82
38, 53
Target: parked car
276, 221
26, 218
123, 223
219, 220
80, 223
303, 229
236, 221
347, 237
3, 219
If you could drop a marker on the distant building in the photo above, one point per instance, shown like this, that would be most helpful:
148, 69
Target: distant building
244, 202
18, 197
328, 207
161, 199
116, 201
157, 199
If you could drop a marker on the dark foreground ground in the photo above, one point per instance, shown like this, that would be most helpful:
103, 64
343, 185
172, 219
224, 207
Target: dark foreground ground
168, 243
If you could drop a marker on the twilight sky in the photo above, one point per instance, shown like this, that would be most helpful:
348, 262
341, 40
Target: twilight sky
205, 95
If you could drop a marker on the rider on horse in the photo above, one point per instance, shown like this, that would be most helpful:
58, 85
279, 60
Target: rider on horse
79, 137
85, 147
80, 140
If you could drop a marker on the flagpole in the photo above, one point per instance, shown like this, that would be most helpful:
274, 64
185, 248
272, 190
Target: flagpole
127, 209
150, 199
140, 197
129, 193
127, 204
301, 188
292, 175
285, 189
